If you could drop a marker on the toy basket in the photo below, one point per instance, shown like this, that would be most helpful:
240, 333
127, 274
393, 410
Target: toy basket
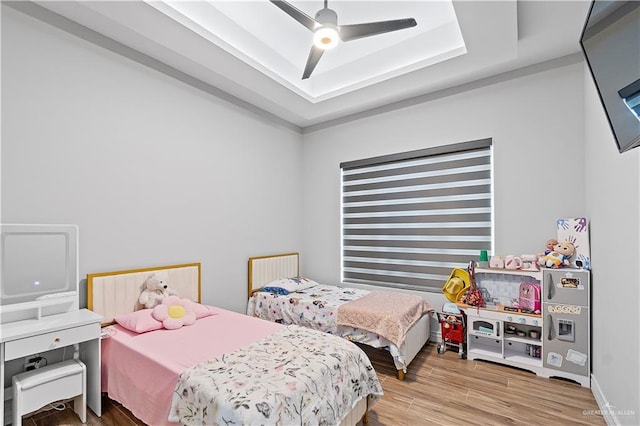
454, 332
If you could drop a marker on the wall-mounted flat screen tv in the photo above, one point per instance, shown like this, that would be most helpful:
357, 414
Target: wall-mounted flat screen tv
610, 42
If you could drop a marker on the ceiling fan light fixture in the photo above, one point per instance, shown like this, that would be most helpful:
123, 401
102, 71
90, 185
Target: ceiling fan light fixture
326, 31
325, 37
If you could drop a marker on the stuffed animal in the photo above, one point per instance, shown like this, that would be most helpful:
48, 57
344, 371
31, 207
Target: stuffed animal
559, 256
549, 246
452, 319
155, 289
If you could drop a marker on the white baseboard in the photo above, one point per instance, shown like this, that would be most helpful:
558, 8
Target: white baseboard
607, 413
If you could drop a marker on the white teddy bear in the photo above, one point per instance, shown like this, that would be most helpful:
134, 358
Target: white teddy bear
155, 290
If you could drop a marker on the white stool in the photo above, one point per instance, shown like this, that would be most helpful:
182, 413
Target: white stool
36, 388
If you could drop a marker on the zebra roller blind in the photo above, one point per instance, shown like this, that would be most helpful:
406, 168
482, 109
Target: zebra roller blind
408, 219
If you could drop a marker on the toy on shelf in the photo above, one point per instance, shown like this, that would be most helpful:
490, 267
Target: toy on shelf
549, 245
559, 256
525, 262
512, 262
530, 297
530, 262
473, 296
496, 262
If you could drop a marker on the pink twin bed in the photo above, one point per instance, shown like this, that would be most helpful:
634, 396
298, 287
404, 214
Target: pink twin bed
226, 367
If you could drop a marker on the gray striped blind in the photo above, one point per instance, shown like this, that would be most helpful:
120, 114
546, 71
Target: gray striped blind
408, 219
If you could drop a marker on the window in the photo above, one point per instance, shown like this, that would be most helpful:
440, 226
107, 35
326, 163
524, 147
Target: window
408, 219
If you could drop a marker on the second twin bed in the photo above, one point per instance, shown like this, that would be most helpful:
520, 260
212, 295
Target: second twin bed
397, 321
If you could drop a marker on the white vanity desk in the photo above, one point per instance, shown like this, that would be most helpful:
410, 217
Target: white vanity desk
31, 336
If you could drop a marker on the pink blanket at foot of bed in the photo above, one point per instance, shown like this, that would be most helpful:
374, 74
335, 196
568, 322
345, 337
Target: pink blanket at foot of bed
388, 314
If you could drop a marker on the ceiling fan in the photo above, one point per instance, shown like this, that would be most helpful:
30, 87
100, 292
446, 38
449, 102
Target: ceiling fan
326, 30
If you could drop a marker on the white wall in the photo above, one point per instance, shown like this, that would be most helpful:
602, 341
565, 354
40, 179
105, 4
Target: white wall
551, 160
153, 171
613, 202
536, 123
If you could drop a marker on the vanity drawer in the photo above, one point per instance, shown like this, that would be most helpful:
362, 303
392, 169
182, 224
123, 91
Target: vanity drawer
49, 341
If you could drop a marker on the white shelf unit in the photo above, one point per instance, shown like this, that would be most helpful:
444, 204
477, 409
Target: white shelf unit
497, 345
491, 332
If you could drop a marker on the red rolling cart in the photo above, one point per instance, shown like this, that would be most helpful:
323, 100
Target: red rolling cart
454, 334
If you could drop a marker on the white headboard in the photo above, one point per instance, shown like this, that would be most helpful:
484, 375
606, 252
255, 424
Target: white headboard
114, 293
264, 269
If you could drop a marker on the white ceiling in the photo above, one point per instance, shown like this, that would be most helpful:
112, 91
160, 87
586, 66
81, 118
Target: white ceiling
274, 43
253, 54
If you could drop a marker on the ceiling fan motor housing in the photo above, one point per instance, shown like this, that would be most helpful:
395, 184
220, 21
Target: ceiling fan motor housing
327, 16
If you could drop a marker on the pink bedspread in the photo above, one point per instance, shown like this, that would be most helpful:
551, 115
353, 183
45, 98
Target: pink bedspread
141, 370
390, 315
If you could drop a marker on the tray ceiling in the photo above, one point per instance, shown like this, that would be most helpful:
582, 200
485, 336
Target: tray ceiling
253, 54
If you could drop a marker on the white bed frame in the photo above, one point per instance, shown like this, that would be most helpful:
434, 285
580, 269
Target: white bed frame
113, 293
264, 269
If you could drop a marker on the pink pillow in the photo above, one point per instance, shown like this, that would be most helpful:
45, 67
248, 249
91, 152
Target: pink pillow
174, 312
201, 311
139, 321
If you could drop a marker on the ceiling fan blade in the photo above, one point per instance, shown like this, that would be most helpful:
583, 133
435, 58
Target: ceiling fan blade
314, 56
296, 14
356, 31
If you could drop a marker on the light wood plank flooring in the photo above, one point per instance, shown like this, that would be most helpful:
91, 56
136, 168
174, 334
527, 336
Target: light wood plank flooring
437, 390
